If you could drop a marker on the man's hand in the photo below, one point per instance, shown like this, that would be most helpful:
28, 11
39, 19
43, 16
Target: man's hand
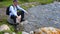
18, 19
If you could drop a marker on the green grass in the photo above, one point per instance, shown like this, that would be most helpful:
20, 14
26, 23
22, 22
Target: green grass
19, 33
4, 3
10, 32
7, 3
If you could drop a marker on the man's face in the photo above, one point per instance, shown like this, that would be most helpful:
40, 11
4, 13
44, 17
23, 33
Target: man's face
15, 3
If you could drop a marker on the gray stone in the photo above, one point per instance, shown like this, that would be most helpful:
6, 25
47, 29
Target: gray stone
43, 16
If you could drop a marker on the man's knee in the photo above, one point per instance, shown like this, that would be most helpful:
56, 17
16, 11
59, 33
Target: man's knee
13, 17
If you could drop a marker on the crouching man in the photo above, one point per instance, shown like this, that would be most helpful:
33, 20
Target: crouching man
14, 14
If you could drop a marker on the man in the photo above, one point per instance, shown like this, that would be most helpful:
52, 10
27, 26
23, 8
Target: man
14, 14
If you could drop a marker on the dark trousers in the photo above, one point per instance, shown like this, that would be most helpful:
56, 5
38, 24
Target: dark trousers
18, 13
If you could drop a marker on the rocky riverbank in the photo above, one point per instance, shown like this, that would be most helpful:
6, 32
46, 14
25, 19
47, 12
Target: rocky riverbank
41, 16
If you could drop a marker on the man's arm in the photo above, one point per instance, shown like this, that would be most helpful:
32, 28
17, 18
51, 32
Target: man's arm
21, 9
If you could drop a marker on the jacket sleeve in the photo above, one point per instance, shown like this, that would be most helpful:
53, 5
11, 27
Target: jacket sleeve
21, 9
12, 10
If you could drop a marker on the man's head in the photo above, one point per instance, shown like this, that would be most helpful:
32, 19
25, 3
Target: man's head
15, 2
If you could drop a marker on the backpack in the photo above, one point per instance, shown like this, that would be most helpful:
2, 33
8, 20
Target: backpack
7, 10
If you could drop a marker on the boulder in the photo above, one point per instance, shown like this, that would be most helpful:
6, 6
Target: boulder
4, 27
